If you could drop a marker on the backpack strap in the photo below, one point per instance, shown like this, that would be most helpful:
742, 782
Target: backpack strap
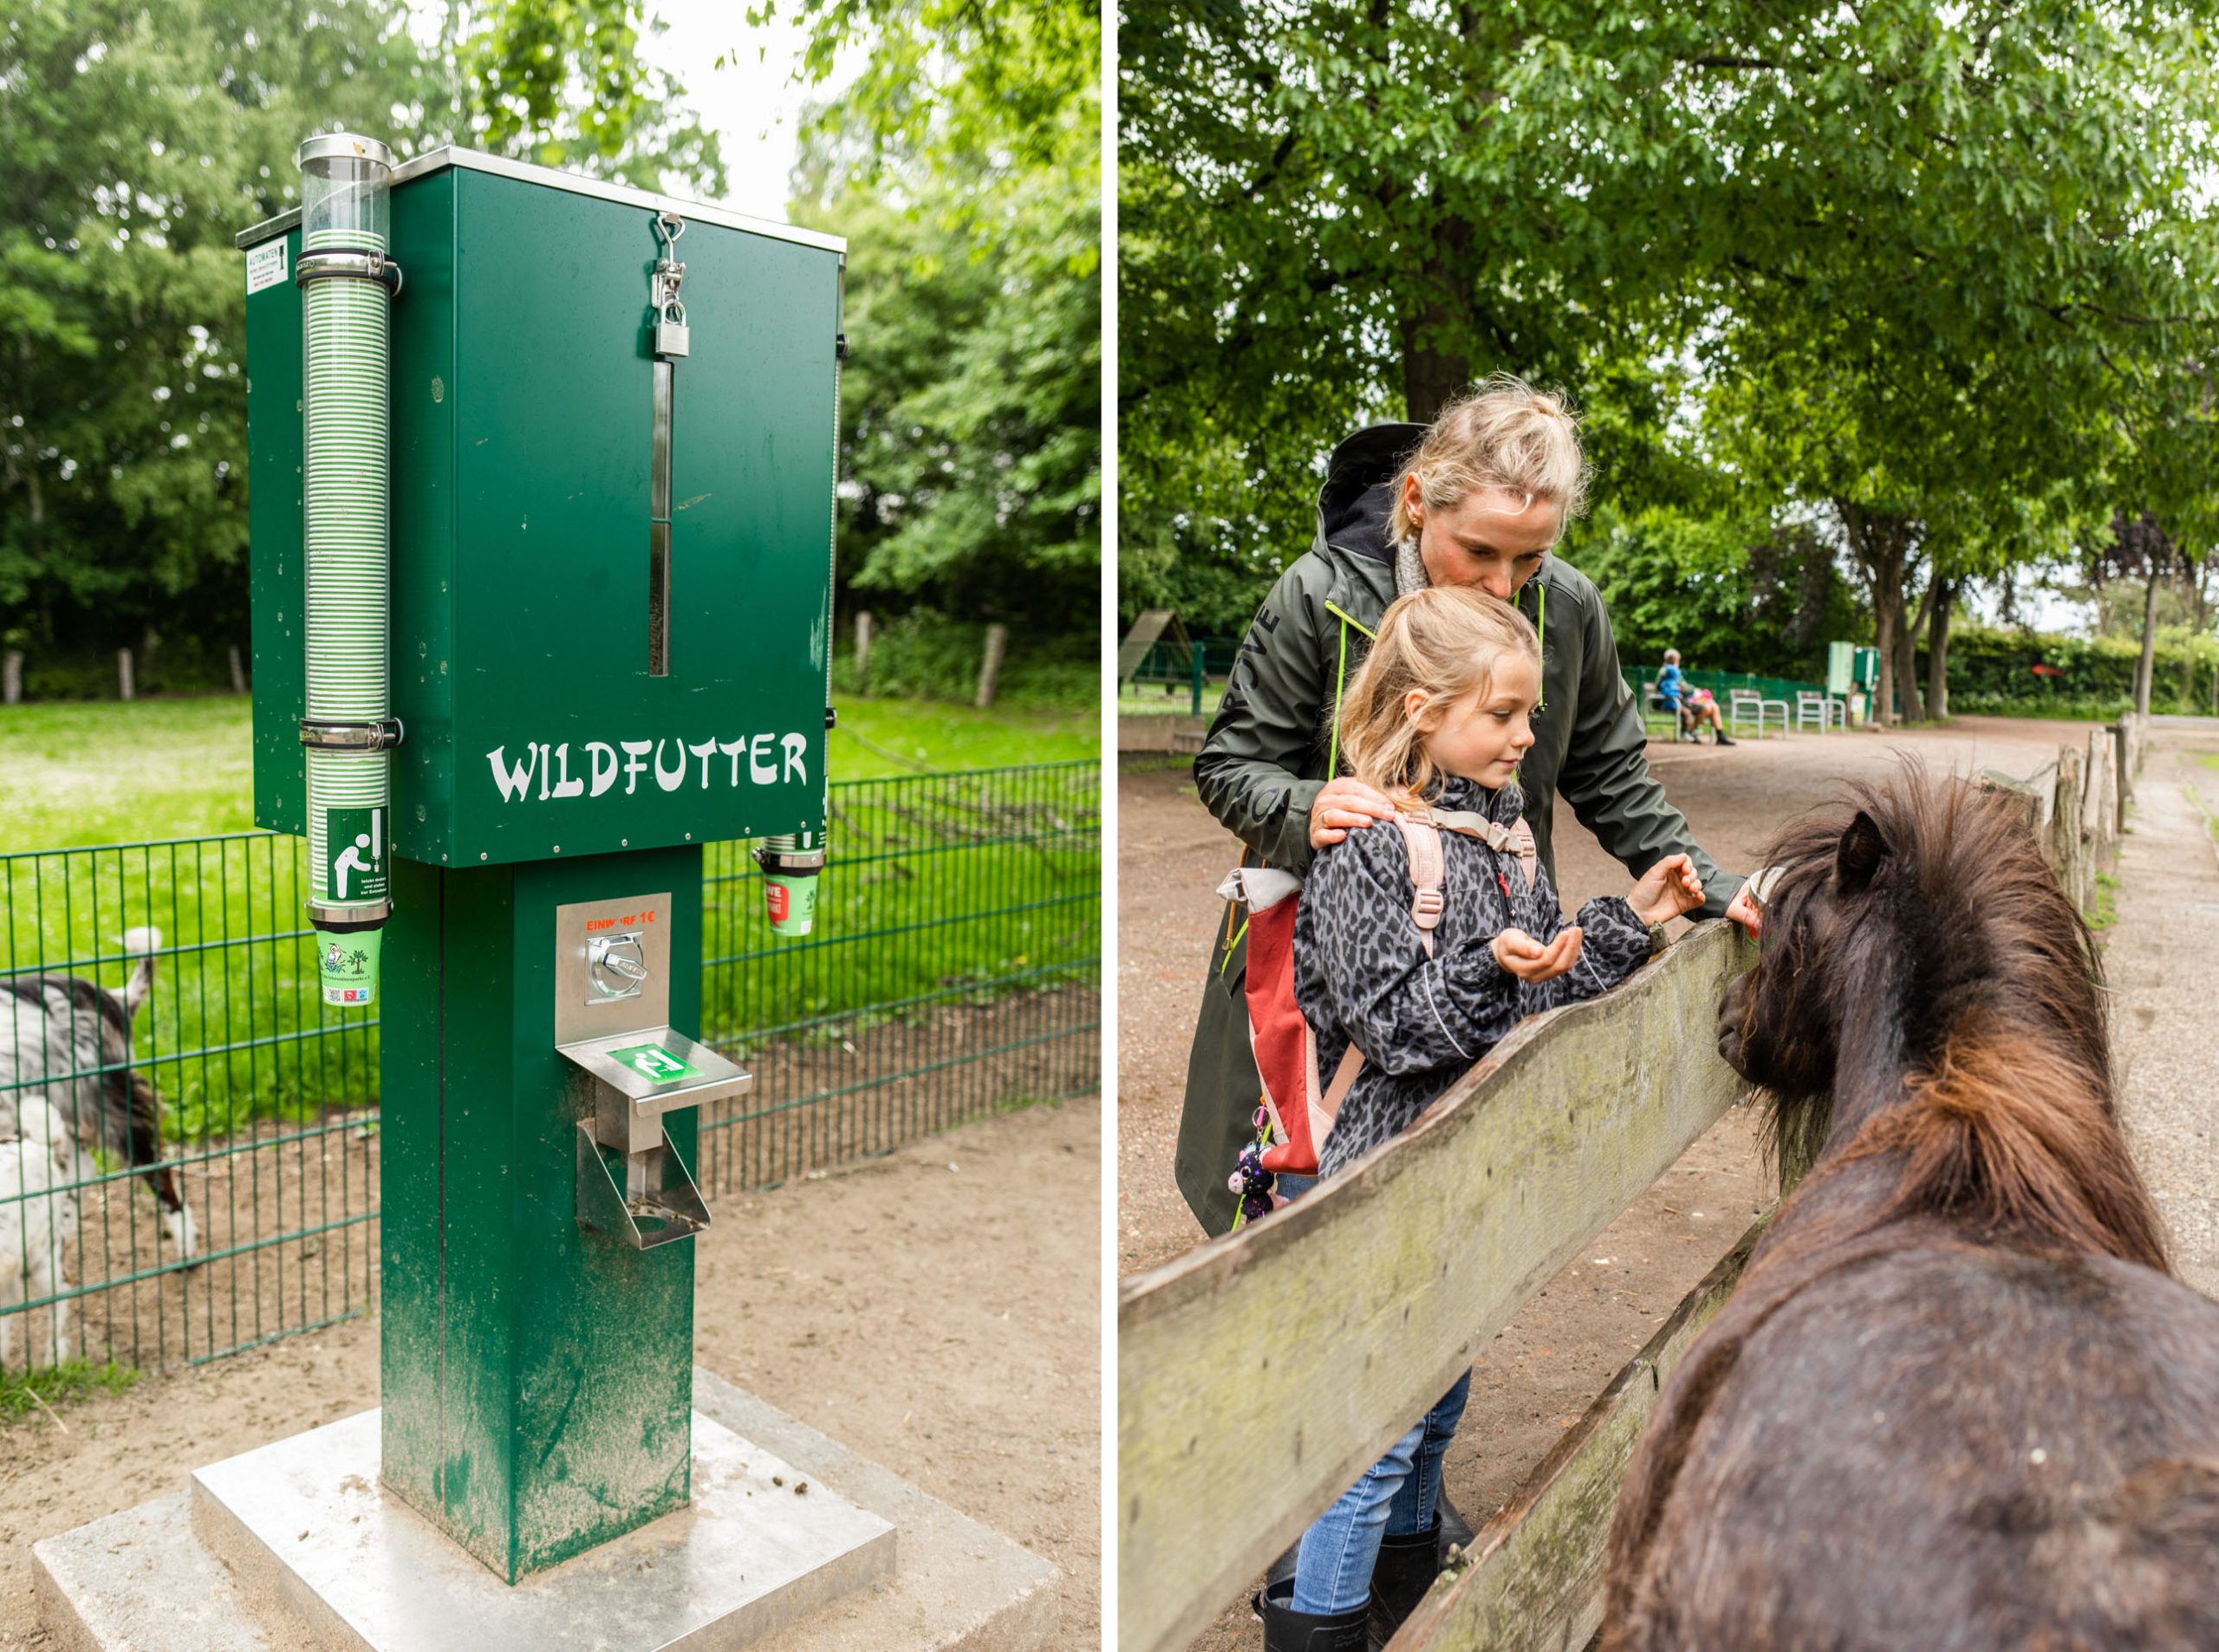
1516, 838
1423, 840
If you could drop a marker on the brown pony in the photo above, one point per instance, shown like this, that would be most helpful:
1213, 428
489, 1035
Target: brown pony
1957, 1401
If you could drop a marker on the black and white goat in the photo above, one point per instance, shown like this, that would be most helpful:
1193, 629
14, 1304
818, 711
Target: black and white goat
40, 1168
66, 1042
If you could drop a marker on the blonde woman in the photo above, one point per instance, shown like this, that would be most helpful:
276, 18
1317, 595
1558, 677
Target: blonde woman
1438, 722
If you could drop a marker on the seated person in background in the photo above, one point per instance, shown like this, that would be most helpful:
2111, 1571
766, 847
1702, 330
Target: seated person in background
1692, 706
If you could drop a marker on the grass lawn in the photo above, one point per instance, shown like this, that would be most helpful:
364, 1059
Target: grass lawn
940, 885
102, 772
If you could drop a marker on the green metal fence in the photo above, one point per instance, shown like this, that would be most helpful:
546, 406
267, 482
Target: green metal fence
955, 969
1722, 685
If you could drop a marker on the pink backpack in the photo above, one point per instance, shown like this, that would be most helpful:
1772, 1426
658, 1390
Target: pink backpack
1296, 1112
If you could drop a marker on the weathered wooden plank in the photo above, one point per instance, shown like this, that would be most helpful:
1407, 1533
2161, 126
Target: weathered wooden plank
1532, 1580
2063, 845
1259, 1375
2099, 827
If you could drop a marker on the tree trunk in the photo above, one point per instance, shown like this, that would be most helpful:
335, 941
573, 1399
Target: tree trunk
238, 671
123, 673
2145, 666
11, 678
862, 651
1937, 646
1907, 648
1436, 314
990, 669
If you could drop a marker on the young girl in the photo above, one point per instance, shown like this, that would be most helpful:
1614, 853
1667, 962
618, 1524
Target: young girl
1436, 718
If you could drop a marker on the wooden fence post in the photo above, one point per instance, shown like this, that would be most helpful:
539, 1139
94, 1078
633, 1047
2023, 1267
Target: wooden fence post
863, 650
123, 671
2063, 843
2097, 810
11, 678
990, 669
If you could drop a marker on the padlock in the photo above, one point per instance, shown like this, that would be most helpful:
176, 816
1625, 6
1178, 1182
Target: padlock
670, 338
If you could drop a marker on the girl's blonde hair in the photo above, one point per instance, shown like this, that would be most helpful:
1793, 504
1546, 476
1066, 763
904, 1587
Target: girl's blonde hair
1505, 434
1445, 641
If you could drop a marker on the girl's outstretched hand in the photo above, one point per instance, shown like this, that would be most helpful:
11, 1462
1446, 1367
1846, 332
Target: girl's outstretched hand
1666, 890
1529, 960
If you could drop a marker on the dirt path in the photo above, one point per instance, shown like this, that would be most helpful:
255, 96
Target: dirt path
1544, 1368
935, 1310
2163, 958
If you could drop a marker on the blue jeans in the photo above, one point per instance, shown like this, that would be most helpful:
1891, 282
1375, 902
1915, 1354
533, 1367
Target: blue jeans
1396, 1496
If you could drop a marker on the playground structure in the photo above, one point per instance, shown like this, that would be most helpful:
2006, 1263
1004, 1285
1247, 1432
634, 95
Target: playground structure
1475, 1208
602, 643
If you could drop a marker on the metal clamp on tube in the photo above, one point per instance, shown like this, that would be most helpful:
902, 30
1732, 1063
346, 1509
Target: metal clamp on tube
361, 266
332, 736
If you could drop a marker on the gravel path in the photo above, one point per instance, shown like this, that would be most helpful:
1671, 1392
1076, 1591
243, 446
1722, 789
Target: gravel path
2163, 958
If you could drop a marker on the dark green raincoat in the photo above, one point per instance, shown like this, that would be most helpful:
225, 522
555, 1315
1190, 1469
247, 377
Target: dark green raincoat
1266, 759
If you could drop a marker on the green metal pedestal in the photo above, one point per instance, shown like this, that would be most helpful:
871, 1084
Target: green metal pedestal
538, 1376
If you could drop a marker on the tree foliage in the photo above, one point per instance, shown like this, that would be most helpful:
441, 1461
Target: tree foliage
1943, 271
140, 138
963, 167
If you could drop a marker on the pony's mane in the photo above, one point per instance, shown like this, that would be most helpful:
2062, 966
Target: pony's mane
2010, 1126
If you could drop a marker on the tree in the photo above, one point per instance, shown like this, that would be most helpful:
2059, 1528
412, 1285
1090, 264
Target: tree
1921, 228
140, 138
963, 166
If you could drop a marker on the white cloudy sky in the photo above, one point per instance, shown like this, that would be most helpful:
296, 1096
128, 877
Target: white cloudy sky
751, 102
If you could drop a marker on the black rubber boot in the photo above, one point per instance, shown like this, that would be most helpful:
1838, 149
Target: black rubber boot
1288, 1630
1719, 737
1405, 1570
1455, 1531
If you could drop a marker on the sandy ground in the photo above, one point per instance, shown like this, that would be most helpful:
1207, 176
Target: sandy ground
2162, 959
1540, 1373
937, 1310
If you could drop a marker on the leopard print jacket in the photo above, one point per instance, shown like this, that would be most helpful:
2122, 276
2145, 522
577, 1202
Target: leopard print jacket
1360, 975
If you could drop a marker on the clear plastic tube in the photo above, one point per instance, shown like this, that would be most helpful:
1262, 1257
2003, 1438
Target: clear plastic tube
345, 189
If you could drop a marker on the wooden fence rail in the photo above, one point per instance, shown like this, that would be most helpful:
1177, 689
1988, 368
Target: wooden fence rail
1259, 1375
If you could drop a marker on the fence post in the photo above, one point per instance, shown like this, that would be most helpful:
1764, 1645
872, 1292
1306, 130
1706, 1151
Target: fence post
11, 678
238, 671
123, 671
990, 669
862, 651
2061, 820
1195, 650
2096, 810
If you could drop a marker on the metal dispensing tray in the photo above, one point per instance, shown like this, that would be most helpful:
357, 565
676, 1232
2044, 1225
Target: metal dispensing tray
646, 1099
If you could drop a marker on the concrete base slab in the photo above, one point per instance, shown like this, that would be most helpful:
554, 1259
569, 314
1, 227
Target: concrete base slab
152, 1577
305, 1519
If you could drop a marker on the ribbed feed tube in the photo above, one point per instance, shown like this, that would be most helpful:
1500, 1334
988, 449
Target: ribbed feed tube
346, 320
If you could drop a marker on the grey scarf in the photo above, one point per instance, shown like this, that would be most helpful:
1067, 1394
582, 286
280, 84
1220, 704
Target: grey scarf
1409, 568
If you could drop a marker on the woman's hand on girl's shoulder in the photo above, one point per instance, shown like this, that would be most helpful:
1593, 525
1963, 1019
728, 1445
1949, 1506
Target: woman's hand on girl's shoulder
1345, 804
1666, 890
1521, 955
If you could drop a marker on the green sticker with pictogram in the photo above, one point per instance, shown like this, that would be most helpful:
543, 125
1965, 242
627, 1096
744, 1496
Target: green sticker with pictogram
655, 1064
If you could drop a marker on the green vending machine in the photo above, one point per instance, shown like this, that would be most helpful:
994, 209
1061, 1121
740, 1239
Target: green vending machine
541, 476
